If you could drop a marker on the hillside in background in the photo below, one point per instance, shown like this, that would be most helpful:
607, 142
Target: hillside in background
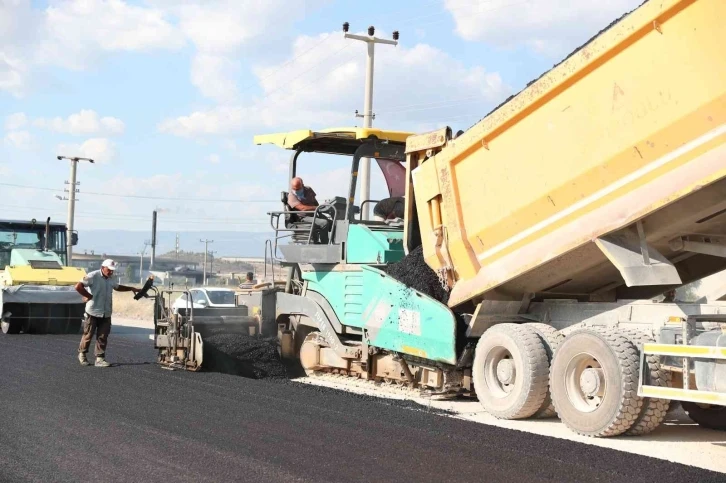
121, 242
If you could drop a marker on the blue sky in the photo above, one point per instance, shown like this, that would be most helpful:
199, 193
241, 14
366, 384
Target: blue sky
167, 95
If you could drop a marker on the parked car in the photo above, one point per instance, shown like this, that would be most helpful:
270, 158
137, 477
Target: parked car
206, 298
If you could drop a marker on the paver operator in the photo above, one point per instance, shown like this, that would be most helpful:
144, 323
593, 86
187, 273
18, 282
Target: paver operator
97, 288
302, 198
249, 281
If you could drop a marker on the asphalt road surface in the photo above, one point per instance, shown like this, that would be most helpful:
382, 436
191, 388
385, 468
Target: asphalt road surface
136, 422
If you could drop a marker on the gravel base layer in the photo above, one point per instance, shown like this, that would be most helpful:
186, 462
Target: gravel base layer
137, 422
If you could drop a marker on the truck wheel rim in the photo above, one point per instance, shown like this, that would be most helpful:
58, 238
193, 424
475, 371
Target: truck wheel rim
585, 382
500, 370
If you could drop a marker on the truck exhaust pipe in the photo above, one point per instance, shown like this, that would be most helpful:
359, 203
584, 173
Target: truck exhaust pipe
47, 234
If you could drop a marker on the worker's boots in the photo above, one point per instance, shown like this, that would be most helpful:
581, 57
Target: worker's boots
82, 359
101, 362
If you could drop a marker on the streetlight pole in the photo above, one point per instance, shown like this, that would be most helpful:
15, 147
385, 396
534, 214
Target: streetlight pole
368, 116
206, 251
71, 204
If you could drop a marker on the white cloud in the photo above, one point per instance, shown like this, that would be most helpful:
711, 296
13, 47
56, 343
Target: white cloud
213, 158
13, 72
101, 150
553, 27
18, 139
82, 123
244, 206
223, 26
220, 29
292, 90
75, 34
78, 31
16, 121
214, 76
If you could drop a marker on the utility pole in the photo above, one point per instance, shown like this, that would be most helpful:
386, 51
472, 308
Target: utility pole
177, 246
206, 251
211, 262
141, 262
153, 241
368, 116
72, 204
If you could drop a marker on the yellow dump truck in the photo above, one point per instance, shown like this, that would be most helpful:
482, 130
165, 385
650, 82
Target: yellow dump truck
573, 207
535, 248
37, 292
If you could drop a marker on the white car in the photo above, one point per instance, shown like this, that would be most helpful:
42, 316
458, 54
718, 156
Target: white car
206, 298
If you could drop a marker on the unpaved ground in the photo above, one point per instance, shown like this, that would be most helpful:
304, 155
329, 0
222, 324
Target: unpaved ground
678, 439
124, 306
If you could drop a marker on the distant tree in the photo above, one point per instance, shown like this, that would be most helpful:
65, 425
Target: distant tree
689, 292
129, 272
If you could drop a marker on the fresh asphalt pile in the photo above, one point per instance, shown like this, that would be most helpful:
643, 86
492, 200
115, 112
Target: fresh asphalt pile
413, 272
255, 357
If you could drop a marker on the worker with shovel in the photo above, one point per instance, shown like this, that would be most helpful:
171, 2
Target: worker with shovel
97, 288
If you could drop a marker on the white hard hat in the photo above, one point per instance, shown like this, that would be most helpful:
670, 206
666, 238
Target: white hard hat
110, 264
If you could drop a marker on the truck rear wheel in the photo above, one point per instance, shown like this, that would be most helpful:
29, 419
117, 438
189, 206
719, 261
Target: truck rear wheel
510, 371
594, 383
706, 415
654, 410
551, 339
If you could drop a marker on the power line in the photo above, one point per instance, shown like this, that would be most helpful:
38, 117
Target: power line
145, 197
288, 83
307, 84
291, 61
124, 217
171, 198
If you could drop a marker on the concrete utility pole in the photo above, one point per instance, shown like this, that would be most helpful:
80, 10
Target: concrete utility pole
71, 204
368, 116
141, 262
153, 241
206, 251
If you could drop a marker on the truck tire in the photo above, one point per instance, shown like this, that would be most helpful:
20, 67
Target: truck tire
510, 371
654, 410
706, 415
594, 383
551, 339
10, 327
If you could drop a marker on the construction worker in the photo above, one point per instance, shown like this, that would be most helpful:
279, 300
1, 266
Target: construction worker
97, 288
669, 296
249, 281
302, 198
389, 208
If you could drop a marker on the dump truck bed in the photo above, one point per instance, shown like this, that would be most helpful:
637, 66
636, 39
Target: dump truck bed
544, 194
